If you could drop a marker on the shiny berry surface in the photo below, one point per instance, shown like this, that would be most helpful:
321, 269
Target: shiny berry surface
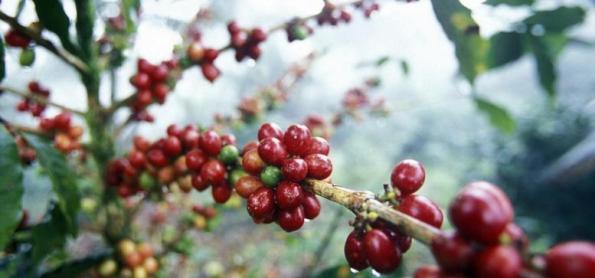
382, 255
498, 261
213, 171
267, 130
296, 139
408, 176
295, 169
221, 192
318, 145
452, 252
288, 195
292, 219
423, 209
247, 185
272, 151
354, 252
571, 259
261, 203
252, 163
319, 166
195, 160
311, 205
210, 142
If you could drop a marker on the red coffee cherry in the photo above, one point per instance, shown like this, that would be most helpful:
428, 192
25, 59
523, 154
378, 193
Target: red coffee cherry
481, 212
159, 74
142, 65
15, 38
432, 271
195, 160
452, 252
408, 176
516, 236
261, 203
423, 209
319, 166
172, 146
247, 185
141, 144
221, 192
160, 92
252, 145
382, 255
228, 139
296, 139
137, 159
318, 145
311, 205
289, 195
210, 72
571, 259
295, 169
354, 252
190, 139
62, 121
210, 142
213, 171
141, 81
252, 163
210, 54
267, 130
272, 151
199, 183
498, 261
157, 158
292, 219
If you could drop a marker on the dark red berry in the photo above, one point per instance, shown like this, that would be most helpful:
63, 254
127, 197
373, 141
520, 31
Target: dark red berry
190, 139
292, 219
159, 74
142, 65
210, 142
319, 166
141, 144
157, 158
210, 55
271, 150
137, 159
267, 130
296, 139
221, 192
199, 183
516, 236
195, 160
432, 271
498, 261
423, 209
15, 38
247, 185
258, 35
252, 145
233, 28
228, 139
210, 72
213, 171
46, 124
481, 212
452, 252
62, 121
382, 254
311, 205
160, 92
318, 145
252, 163
261, 203
295, 169
571, 259
354, 252
141, 81
289, 195
172, 146
408, 176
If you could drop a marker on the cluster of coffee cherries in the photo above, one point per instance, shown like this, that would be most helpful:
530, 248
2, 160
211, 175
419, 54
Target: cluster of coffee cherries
277, 164
246, 43
379, 244
205, 57
66, 135
30, 105
152, 85
333, 15
185, 155
202, 216
135, 260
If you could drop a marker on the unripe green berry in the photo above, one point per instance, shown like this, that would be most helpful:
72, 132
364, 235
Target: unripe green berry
271, 175
27, 57
147, 181
229, 155
236, 175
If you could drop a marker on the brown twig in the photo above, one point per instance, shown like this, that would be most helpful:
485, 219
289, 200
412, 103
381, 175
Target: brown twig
39, 99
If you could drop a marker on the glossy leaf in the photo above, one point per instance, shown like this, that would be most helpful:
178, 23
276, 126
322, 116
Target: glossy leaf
497, 115
11, 187
557, 20
85, 16
52, 17
505, 47
63, 179
544, 61
50, 235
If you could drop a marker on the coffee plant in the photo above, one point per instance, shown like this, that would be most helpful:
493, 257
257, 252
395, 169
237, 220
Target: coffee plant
280, 176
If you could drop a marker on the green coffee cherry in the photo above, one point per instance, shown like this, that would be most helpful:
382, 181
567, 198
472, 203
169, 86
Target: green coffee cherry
147, 181
271, 175
229, 155
236, 175
27, 57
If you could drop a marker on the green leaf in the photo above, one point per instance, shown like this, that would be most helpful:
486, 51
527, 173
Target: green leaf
52, 16
63, 179
382, 60
509, 2
11, 187
85, 17
50, 235
505, 47
463, 31
404, 67
2, 64
544, 61
498, 115
76, 267
557, 20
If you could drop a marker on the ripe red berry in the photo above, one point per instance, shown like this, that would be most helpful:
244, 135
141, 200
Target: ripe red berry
228, 139
481, 212
452, 252
295, 169
157, 158
292, 219
498, 261
296, 139
319, 166
261, 203
267, 130
210, 142
271, 150
221, 192
46, 124
311, 205
62, 121
423, 209
190, 139
34, 86
143, 99
210, 54
318, 145
252, 163
15, 38
210, 72
354, 252
213, 171
432, 271
382, 255
289, 195
137, 159
159, 74
160, 92
247, 185
258, 35
172, 146
199, 183
141, 81
408, 176
571, 259
142, 65
141, 143
195, 160
249, 146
